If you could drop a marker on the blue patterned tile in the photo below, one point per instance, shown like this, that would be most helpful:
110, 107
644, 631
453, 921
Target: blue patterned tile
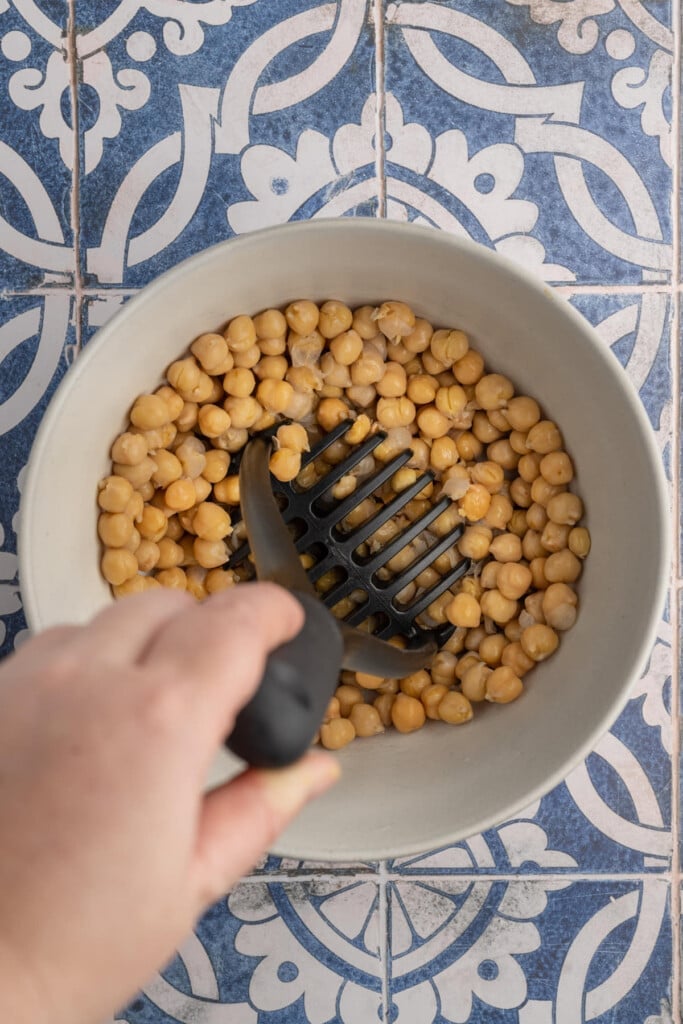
543, 132
200, 127
36, 148
36, 346
529, 952
276, 953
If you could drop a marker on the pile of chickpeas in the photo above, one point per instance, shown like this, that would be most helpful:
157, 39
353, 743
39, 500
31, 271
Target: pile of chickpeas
167, 509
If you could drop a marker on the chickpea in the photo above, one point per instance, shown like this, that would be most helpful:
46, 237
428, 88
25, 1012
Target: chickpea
507, 547
210, 554
129, 449
347, 696
442, 669
514, 657
532, 546
520, 492
518, 523
497, 607
475, 542
172, 399
271, 368
240, 333
518, 442
469, 369
153, 524
562, 567
544, 437
233, 440
135, 507
422, 389
443, 454
114, 493
213, 421
474, 681
168, 468
394, 381
560, 606
503, 454
503, 686
539, 641
500, 512
285, 464
395, 412
192, 457
187, 419
135, 585
383, 704
449, 346
475, 504
579, 541
118, 565
359, 430
419, 338
180, 495
407, 713
451, 400
565, 508
274, 395
331, 412
115, 529
210, 350
215, 465
366, 720
438, 609
469, 447
489, 575
489, 475
170, 554
557, 468
491, 649
414, 684
243, 412
173, 579
533, 606
239, 382
455, 708
483, 429
149, 411
271, 323
211, 522
464, 610
529, 466
541, 491
523, 413
536, 517
555, 537
538, 577
493, 391
337, 733
513, 580
174, 528
273, 346
395, 320
465, 663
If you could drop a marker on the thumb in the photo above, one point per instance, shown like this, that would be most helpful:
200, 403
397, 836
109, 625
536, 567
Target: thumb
240, 819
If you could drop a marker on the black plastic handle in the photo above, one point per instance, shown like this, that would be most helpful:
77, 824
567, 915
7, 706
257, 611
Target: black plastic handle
277, 725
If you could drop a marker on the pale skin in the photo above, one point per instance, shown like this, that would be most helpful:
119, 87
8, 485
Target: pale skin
110, 849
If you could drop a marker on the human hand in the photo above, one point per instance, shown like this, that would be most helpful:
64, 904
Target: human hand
109, 847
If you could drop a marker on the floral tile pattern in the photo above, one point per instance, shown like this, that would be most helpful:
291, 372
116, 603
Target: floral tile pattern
135, 132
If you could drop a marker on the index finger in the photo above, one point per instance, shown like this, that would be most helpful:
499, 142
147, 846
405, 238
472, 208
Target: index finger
220, 647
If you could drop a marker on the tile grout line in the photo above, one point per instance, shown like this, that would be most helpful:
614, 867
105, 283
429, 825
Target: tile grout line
380, 111
72, 57
676, 12
384, 952
383, 876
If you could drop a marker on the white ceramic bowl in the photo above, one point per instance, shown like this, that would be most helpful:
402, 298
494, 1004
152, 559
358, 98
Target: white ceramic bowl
399, 794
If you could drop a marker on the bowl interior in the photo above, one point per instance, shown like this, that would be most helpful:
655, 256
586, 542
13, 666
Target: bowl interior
399, 794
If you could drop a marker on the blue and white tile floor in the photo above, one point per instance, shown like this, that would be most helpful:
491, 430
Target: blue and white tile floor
136, 132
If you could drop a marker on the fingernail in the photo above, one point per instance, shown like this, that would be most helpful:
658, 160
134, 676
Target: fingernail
288, 789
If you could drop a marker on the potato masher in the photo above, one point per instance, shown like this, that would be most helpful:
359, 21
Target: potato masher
279, 722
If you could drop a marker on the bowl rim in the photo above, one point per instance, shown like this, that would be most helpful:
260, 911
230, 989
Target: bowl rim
659, 519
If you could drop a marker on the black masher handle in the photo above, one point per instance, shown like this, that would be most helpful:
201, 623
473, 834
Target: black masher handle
278, 724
